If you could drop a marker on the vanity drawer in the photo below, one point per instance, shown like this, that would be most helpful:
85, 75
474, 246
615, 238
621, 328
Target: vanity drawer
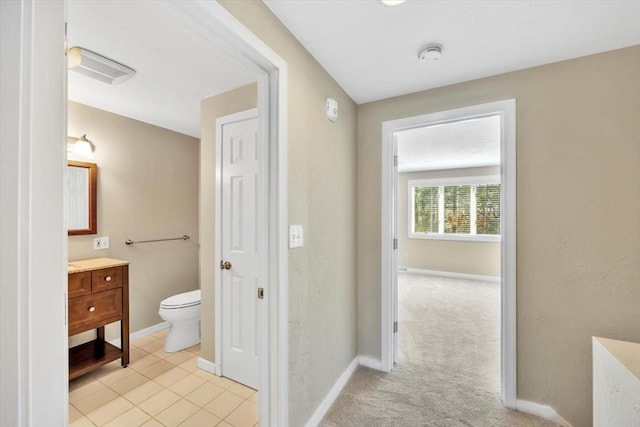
79, 284
92, 311
106, 278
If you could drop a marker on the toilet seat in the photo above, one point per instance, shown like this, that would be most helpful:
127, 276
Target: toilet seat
183, 300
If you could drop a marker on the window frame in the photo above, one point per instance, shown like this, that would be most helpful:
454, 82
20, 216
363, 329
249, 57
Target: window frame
452, 181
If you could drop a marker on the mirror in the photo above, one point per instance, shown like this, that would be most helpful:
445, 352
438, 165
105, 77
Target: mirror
82, 202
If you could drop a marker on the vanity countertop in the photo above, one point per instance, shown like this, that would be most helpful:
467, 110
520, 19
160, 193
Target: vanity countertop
93, 264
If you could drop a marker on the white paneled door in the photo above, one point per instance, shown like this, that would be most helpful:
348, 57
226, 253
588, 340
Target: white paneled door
242, 216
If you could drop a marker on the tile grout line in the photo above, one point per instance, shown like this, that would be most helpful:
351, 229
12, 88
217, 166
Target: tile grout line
149, 379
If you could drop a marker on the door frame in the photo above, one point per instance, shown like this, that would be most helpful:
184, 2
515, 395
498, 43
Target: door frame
263, 267
36, 253
507, 110
214, 21
33, 254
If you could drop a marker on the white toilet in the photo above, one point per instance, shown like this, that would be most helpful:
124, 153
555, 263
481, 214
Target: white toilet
182, 311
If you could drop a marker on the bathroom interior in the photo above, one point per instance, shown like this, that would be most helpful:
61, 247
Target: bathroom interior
142, 134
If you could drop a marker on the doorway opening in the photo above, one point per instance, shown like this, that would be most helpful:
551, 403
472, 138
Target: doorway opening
216, 33
448, 215
457, 205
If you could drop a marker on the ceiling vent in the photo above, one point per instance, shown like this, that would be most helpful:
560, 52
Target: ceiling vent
98, 67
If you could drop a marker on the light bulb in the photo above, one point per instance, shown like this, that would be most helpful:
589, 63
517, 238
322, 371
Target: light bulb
391, 2
74, 57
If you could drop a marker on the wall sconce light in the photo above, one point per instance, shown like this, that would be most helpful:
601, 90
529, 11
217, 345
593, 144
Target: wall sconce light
391, 2
81, 147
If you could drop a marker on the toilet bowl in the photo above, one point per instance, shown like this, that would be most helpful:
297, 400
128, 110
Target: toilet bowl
182, 311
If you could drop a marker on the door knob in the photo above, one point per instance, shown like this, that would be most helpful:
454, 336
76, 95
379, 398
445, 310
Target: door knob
225, 265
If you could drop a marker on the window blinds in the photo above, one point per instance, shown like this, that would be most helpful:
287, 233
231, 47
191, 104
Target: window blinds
457, 209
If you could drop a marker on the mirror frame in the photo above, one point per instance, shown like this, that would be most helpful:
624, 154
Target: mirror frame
93, 198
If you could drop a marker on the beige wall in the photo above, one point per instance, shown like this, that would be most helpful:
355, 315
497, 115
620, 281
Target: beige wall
147, 189
234, 101
321, 197
578, 263
455, 256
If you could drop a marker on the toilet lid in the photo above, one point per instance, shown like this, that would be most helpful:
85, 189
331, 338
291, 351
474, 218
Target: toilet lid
186, 299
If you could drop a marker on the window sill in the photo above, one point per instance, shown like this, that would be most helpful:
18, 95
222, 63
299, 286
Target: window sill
456, 237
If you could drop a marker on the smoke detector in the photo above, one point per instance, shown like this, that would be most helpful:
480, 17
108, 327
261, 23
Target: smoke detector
98, 67
431, 53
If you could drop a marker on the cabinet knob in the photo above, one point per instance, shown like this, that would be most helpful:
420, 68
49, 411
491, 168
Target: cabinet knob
108, 278
92, 309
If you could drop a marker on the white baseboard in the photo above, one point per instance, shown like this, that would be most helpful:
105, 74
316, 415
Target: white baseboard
543, 411
332, 395
210, 367
449, 274
142, 333
370, 363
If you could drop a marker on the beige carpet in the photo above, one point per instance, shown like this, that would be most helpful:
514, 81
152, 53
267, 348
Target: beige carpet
448, 373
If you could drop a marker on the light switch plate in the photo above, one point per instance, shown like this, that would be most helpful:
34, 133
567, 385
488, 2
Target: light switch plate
101, 243
295, 236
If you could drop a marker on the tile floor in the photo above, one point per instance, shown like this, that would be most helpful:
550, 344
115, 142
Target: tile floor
159, 389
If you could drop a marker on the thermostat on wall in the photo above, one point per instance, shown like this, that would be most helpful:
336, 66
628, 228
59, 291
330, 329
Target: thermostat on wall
332, 109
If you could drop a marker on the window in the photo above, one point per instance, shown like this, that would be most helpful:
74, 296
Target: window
456, 208
426, 209
488, 209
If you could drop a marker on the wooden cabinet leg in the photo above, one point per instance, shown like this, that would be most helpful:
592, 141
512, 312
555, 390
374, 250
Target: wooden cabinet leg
124, 323
100, 347
124, 335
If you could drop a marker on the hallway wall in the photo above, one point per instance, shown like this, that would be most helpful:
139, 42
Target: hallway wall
578, 243
321, 197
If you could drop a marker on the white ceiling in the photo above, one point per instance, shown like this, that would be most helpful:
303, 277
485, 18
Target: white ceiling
371, 50
463, 144
176, 67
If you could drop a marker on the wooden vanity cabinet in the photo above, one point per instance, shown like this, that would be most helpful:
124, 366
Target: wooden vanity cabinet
98, 293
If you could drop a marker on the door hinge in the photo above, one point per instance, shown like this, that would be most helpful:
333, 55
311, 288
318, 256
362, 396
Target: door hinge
260, 293
395, 243
395, 326
395, 161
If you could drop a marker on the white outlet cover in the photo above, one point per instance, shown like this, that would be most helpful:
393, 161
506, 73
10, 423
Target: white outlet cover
101, 243
296, 239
